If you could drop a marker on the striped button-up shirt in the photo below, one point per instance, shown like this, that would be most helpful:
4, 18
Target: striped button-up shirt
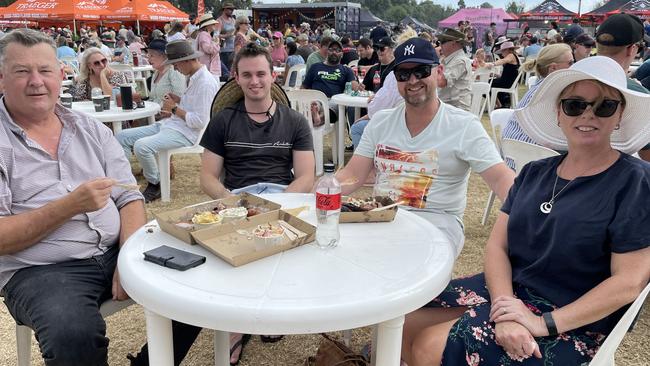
30, 178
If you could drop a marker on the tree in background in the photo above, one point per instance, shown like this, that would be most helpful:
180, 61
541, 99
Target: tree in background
514, 7
461, 4
486, 5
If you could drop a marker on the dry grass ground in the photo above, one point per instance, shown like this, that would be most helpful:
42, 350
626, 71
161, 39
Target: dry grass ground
126, 329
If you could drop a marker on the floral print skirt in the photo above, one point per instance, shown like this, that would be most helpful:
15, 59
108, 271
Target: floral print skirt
472, 339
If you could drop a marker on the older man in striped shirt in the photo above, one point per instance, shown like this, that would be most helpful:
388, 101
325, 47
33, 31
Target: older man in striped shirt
62, 216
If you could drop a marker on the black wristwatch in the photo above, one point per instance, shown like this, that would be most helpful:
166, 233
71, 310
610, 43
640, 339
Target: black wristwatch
174, 108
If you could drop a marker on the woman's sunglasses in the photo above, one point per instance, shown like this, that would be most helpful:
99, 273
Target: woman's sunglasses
576, 107
420, 72
100, 62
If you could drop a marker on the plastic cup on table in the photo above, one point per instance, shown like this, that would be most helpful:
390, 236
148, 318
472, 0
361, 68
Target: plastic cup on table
66, 100
98, 102
107, 102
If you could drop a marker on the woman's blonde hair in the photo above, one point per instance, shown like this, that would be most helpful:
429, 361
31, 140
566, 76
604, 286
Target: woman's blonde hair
547, 55
84, 70
407, 34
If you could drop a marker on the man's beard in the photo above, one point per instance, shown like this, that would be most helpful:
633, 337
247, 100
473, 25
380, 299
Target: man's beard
333, 59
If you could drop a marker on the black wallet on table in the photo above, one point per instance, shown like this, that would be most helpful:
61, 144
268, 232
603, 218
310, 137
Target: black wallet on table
173, 258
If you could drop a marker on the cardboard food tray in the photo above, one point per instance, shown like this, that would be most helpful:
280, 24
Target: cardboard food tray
167, 220
368, 216
238, 249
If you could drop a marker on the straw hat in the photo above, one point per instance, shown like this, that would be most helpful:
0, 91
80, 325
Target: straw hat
539, 118
180, 50
231, 93
206, 20
506, 46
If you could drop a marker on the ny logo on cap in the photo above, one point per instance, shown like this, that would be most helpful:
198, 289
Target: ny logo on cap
409, 50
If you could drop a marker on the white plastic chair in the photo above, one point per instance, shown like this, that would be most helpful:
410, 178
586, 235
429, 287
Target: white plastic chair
479, 89
513, 91
498, 120
295, 69
24, 333
140, 83
531, 81
482, 74
164, 157
607, 351
301, 102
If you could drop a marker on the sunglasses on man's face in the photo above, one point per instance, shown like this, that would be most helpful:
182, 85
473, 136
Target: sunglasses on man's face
100, 62
420, 72
334, 50
576, 107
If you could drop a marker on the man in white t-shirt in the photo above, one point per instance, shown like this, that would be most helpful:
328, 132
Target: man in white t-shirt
423, 151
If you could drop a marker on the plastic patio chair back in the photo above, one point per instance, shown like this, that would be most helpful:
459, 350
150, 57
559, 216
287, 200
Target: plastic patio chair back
294, 70
126, 69
513, 91
523, 153
24, 333
498, 120
607, 351
479, 89
531, 81
301, 102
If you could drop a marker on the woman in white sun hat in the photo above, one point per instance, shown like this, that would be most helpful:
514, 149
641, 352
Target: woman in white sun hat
571, 245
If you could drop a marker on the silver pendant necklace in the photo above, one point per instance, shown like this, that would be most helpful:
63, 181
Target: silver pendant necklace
547, 206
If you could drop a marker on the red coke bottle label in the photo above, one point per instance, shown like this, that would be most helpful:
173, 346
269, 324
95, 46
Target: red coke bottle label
328, 202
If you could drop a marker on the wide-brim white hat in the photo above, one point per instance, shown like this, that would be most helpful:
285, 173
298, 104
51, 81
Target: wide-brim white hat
539, 118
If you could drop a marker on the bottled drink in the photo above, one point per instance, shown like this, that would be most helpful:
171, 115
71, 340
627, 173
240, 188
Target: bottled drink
96, 92
136, 59
328, 209
376, 80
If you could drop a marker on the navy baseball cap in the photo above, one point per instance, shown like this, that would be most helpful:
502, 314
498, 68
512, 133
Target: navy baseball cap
416, 50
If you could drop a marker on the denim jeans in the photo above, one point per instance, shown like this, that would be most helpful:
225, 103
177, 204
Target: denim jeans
260, 188
60, 302
356, 131
146, 141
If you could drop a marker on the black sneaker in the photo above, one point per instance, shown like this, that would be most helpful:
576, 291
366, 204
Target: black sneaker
151, 193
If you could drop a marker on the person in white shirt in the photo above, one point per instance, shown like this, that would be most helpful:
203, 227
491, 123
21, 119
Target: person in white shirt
422, 151
185, 116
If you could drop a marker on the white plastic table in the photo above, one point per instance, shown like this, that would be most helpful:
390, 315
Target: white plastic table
378, 273
343, 101
116, 115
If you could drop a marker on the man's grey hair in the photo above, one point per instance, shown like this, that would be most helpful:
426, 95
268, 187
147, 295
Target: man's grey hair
24, 37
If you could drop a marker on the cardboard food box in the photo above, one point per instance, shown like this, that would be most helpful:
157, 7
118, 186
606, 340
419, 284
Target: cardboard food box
368, 216
235, 242
168, 220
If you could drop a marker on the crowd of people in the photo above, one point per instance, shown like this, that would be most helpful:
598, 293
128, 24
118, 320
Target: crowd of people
64, 216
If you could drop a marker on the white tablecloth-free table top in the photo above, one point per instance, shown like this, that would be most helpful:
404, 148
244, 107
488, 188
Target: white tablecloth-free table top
378, 273
116, 115
344, 100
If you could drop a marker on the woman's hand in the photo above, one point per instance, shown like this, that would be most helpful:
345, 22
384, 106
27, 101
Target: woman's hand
106, 72
507, 308
516, 340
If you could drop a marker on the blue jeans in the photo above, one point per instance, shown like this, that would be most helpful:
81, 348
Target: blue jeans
356, 131
260, 188
60, 302
146, 141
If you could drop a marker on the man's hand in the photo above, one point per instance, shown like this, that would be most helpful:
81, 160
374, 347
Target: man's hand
516, 340
168, 104
118, 292
91, 195
506, 308
173, 97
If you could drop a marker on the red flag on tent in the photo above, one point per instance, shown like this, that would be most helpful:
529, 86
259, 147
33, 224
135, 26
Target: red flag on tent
200, 8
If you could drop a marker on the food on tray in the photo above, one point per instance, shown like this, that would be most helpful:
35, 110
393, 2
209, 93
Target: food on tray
206, 218
233, 214
268, 235
361, 205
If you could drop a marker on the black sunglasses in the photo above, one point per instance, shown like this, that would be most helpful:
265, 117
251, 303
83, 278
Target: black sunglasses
576, 107
335, 50
420, 72
100, 62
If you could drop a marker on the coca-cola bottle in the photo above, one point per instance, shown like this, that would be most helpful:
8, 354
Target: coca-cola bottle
328, 209
376, 80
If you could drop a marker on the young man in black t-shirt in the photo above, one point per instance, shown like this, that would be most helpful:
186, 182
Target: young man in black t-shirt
257, 140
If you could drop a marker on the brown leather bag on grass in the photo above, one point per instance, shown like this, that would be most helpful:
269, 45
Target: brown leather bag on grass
332, 352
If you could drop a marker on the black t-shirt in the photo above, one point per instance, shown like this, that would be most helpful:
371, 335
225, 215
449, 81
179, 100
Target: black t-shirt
349, 54
257, 152
564, 254
384, 70
328, 79
369, 61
